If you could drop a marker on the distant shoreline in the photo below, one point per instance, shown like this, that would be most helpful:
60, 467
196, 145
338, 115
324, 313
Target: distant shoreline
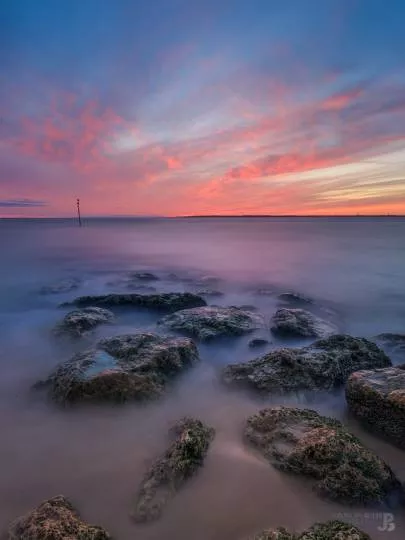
219, 216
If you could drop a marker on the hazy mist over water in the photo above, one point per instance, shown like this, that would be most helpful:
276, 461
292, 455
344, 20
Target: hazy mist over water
353, 267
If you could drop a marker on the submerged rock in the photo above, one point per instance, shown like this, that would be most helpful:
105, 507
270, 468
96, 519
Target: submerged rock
294, 298
161, 301
211, 322
290, 322
122, 368
258, 342
330, 530
143, 276
181, 460
61, 287
79, 322
264, 292
325, 364
377, 398
209, 292
394, 343
302, 442
54, 519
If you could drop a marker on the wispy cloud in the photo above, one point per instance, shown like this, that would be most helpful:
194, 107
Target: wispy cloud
21, 203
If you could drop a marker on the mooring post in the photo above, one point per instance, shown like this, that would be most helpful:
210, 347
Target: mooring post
78, 212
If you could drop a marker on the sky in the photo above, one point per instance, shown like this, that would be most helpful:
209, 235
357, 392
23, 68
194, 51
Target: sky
190, 107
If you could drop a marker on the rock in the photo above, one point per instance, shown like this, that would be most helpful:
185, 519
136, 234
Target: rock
300, 323
181, 460
79, 322
294, 298
159, 302
209, 280
143, 276
54, 519
122, 368
323, 365
331, 530
211, 322
61, 287
302, 442
394, 343
209, 292
258, 342
377, 399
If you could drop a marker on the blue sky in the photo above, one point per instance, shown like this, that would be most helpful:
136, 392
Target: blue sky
176, 107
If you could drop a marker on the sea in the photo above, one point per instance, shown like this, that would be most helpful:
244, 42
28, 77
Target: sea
353, 269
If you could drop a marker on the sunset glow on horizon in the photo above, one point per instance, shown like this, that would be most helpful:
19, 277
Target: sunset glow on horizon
177, 108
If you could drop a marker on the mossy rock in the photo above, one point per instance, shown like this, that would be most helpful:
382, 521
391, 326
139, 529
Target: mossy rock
167, 475
295, 322
210, 322
330, 530
55, 519
122, 368
377, 399
79, 322
302, 442
324, 365
159, 301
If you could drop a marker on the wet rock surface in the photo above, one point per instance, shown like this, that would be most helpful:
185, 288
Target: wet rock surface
209, 292
377, 399
295, 322
330, 530
325, 364
167, 475
122, 368
61, 287
300, 441
54, 519
163, 301
79, 322
143, 276
206, 323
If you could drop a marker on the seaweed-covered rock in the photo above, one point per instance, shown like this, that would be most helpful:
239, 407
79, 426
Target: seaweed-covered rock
325, 364
210, 322
302, 442
294, 298
61, 287
54, 519
79, 322
159, 302
181, 460
258, 342
122, 368
377, 398
394, 343
294, 322
330, 530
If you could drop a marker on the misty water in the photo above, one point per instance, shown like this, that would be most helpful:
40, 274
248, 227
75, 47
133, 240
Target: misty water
354, 269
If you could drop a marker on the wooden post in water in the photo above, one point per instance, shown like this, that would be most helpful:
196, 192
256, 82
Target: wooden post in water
78, 212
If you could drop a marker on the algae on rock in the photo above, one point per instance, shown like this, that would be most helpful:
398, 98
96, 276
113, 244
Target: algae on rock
181, 460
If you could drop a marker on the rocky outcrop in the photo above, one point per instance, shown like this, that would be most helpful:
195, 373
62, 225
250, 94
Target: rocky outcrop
209, 292
159, 302
290, 322
122, 368
54, 519
377, 399
79, 322
302, 442
211, 322
61, 287
330, 530
167, 475
325, 364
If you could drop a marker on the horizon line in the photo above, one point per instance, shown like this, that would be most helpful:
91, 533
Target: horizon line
207, 216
